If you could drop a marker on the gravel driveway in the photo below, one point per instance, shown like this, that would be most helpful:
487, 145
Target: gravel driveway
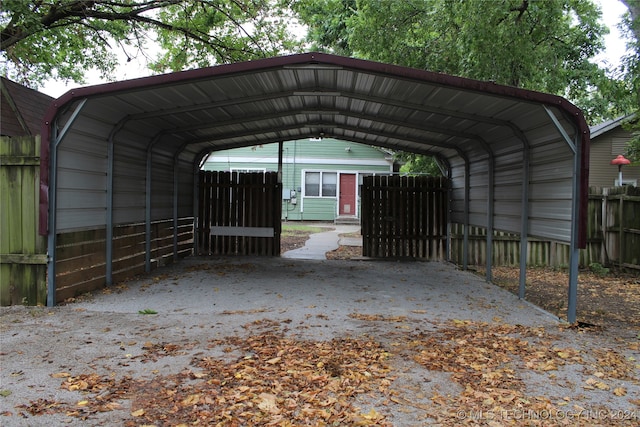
432, 320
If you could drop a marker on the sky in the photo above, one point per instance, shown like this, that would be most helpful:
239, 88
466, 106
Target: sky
611, 12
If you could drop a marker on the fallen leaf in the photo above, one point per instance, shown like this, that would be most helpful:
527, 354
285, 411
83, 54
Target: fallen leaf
620, 391
138, 413
191, 400
268, 403
61, 375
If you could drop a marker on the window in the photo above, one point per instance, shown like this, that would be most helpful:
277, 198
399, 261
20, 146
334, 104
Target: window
312, 183
329, 184
320, 184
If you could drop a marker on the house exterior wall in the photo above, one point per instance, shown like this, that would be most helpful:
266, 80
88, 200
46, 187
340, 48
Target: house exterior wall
605, 148
305, 159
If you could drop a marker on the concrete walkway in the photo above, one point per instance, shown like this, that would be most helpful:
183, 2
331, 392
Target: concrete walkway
320, 243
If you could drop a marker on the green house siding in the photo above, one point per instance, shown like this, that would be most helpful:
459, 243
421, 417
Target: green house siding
299, 157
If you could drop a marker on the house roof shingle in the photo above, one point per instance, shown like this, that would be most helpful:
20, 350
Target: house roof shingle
22, 109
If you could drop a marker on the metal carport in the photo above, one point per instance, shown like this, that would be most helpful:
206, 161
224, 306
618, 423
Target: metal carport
129, 151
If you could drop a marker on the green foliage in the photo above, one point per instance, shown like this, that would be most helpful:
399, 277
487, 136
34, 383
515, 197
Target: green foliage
598, 269
66, 39
544, 46
633, 146
630, 70
289, 229
147, 311
328, 24
229, 32
539, 45
418, 164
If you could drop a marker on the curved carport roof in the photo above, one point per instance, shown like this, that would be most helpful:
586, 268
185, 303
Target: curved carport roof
517, 160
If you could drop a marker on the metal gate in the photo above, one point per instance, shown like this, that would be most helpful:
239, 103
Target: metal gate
239, 213
404, 217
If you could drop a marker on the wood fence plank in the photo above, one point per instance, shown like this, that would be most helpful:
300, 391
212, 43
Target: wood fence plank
241, 206
22, 249
404, 217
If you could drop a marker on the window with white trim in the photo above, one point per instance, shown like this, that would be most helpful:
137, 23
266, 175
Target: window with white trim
320, 184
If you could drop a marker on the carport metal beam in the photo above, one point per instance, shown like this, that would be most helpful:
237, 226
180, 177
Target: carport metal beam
109, 220
56, 139
574, 252
524, 225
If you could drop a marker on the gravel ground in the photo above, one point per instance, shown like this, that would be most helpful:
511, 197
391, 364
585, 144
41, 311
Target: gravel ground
398, 304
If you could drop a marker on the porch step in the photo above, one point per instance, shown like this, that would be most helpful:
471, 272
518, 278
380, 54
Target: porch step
347, 220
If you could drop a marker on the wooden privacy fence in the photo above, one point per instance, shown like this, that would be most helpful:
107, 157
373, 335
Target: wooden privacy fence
81, 255
622, 227
613, 237
22, 250
404, 217
239, 213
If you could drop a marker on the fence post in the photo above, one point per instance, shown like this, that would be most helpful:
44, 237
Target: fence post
621, 235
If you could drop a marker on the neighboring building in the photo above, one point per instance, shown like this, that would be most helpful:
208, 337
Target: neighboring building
22, 109
320, 178
608, 140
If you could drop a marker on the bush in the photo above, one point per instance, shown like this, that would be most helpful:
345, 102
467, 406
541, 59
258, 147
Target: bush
598, 269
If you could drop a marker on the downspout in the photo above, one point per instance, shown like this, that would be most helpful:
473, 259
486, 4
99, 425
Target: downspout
56, 139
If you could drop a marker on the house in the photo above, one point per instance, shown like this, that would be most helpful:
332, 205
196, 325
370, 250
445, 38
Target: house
321, 178
22, 109
608, 140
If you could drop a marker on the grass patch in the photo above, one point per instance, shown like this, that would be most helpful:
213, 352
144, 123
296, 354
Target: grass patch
297, 229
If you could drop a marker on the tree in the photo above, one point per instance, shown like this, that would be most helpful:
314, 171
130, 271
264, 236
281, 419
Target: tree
630, 69
63, 39
544, 46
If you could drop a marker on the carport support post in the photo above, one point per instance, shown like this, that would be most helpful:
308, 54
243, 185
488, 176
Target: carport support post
574, 252
574, 259
524, 226
175, 207
490, 206
51, 243
109, 220
280, 149
465, 237
147, 215
55, 139
109, 231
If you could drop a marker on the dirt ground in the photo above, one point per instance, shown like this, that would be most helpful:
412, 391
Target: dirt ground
279, 342
608, 299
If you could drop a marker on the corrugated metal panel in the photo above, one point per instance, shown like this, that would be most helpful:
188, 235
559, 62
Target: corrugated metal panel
128, 179
302, 96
